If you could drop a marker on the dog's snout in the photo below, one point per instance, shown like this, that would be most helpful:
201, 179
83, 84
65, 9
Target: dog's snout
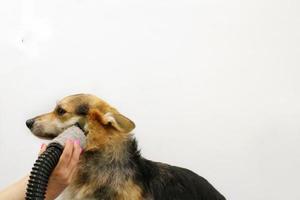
29, 123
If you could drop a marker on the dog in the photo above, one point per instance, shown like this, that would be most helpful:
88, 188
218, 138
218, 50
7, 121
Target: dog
111, 166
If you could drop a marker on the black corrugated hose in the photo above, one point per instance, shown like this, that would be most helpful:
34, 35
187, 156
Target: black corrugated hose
41, 171
46, 162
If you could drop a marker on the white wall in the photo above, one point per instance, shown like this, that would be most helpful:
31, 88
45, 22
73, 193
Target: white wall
212, 85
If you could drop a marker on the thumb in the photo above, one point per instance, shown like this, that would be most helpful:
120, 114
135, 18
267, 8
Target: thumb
43, 148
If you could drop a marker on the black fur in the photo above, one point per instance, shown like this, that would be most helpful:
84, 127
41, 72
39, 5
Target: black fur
165, 182
106, 192
82, 109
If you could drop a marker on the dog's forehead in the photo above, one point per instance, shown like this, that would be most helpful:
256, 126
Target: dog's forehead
80, 99
72, 99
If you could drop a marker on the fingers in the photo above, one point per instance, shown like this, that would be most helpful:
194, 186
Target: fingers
42, 149
76, 154
75, 158
68, 161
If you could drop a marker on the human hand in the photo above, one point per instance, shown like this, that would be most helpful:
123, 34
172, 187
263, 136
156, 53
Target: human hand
64, 170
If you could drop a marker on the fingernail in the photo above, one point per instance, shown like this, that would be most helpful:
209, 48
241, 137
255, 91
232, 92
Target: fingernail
77, 142
42, 145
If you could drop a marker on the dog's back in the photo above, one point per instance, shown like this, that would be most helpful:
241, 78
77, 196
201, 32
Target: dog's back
162, 181
136, 178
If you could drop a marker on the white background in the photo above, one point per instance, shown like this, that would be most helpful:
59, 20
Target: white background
212, 85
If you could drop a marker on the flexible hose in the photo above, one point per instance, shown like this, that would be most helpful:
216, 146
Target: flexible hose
46, 162
42, 169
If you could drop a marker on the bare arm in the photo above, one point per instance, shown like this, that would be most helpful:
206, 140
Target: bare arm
15, 191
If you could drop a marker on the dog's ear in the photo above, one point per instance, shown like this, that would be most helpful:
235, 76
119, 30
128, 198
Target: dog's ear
119, 122
114, 119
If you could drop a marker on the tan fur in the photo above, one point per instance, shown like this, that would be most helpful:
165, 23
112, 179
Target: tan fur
103, 136
129, 191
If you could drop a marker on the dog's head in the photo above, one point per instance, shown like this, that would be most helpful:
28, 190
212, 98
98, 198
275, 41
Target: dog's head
84, 110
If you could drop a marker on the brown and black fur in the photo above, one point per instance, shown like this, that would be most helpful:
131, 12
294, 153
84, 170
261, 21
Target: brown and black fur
111, 167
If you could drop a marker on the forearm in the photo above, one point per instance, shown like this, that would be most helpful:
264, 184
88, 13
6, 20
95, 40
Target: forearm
15, 191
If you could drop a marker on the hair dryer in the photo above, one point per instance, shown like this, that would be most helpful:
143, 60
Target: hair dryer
46, 162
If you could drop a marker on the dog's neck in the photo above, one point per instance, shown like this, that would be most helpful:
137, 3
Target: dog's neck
102, 171
108, 165
113, 153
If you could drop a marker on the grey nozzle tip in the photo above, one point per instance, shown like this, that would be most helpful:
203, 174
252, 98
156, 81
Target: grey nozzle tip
72, 133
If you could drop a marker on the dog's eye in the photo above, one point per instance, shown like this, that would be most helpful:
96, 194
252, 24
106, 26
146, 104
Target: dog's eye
60, 111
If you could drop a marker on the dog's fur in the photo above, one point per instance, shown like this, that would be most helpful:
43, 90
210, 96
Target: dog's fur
111, 167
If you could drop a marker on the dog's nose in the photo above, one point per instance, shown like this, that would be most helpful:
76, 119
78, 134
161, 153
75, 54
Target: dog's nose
29, 123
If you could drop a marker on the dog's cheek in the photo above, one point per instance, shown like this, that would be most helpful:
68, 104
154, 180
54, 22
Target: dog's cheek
53, 128
70, 121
